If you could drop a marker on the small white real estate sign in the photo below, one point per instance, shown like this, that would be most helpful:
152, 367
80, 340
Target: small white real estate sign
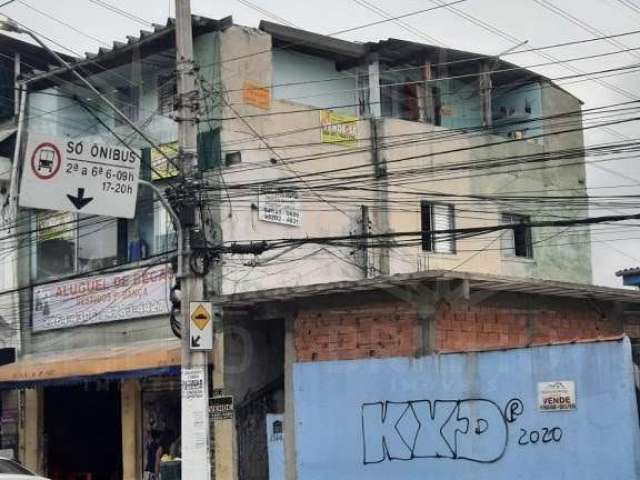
559, 395
80, 176
195, 424
125, 295
279, 206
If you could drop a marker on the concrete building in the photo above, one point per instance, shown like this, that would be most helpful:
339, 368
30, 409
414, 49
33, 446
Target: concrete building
301, 135
438, 374
18, 59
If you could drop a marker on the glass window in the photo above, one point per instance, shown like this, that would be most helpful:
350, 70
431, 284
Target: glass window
55, 244
437, 217
517, 242
127, 99
97, 242
165, 238
67, 244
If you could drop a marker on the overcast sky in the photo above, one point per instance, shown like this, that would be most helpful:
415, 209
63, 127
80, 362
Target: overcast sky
517, 19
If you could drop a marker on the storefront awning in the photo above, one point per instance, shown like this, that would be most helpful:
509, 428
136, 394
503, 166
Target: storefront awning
134, 360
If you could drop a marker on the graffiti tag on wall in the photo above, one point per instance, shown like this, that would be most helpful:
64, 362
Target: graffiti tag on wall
475, 430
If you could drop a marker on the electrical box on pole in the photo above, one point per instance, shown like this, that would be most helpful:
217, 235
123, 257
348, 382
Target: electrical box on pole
196, 440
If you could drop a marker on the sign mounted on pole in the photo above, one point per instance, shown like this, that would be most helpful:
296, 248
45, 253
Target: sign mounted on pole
79, 176
221, 408
195, 424
201, 330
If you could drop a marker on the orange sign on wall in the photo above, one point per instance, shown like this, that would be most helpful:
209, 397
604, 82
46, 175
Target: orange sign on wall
256, 95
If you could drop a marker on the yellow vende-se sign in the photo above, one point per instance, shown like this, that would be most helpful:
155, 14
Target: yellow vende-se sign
338, 128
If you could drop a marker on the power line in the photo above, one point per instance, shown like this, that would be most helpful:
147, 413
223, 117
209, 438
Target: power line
404, 25
266, 12
121, 12
340, 32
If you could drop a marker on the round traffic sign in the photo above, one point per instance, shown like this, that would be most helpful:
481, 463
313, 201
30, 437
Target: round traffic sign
46, 161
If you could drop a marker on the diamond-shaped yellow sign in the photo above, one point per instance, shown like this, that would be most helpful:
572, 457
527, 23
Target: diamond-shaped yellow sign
200, 317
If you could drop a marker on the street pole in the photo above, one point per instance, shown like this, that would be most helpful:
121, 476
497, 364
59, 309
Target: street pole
195, 435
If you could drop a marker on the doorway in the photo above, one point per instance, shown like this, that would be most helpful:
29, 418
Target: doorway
83, 433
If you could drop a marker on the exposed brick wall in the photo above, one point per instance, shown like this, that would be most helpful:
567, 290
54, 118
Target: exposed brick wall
460, 328
632, 326
394, 329
384, 330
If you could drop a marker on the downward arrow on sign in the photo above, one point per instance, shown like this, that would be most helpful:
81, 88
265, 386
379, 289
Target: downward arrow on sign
79, 201
195, 341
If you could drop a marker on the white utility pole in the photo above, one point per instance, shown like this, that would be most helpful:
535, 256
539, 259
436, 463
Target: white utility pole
195, 436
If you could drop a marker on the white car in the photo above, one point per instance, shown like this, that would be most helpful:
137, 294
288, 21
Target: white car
10, 470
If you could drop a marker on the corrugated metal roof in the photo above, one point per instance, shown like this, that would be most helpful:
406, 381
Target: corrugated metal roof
391, 51
146, 38
477, 282
313, 43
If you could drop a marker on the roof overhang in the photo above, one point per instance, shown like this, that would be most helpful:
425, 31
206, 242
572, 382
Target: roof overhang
392, 52
31, 56
133, 360
148, 43
290, 38
475, 282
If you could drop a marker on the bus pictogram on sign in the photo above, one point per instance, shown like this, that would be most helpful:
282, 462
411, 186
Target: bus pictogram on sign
46, 161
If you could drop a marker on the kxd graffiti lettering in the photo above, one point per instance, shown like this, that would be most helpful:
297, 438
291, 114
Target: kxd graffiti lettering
476, 430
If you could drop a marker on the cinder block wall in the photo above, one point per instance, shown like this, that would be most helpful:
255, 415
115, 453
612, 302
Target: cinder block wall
461, 328
379, 331
395, 329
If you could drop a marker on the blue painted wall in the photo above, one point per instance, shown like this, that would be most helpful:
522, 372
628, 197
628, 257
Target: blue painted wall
468, 416
292, 72
518, 110
460, 103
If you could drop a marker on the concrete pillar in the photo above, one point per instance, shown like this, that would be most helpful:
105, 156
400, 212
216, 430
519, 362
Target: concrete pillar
131, 414
375, 106
290, 456
428, 103
485, 86
32, 429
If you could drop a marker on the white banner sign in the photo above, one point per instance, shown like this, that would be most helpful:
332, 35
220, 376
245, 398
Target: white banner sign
79, 176
118, 296
195, 425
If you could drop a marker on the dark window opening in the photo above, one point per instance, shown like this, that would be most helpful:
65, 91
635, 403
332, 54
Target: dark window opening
209, 151
232, 158
518, 241
437, 217
400, 99
437, 106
